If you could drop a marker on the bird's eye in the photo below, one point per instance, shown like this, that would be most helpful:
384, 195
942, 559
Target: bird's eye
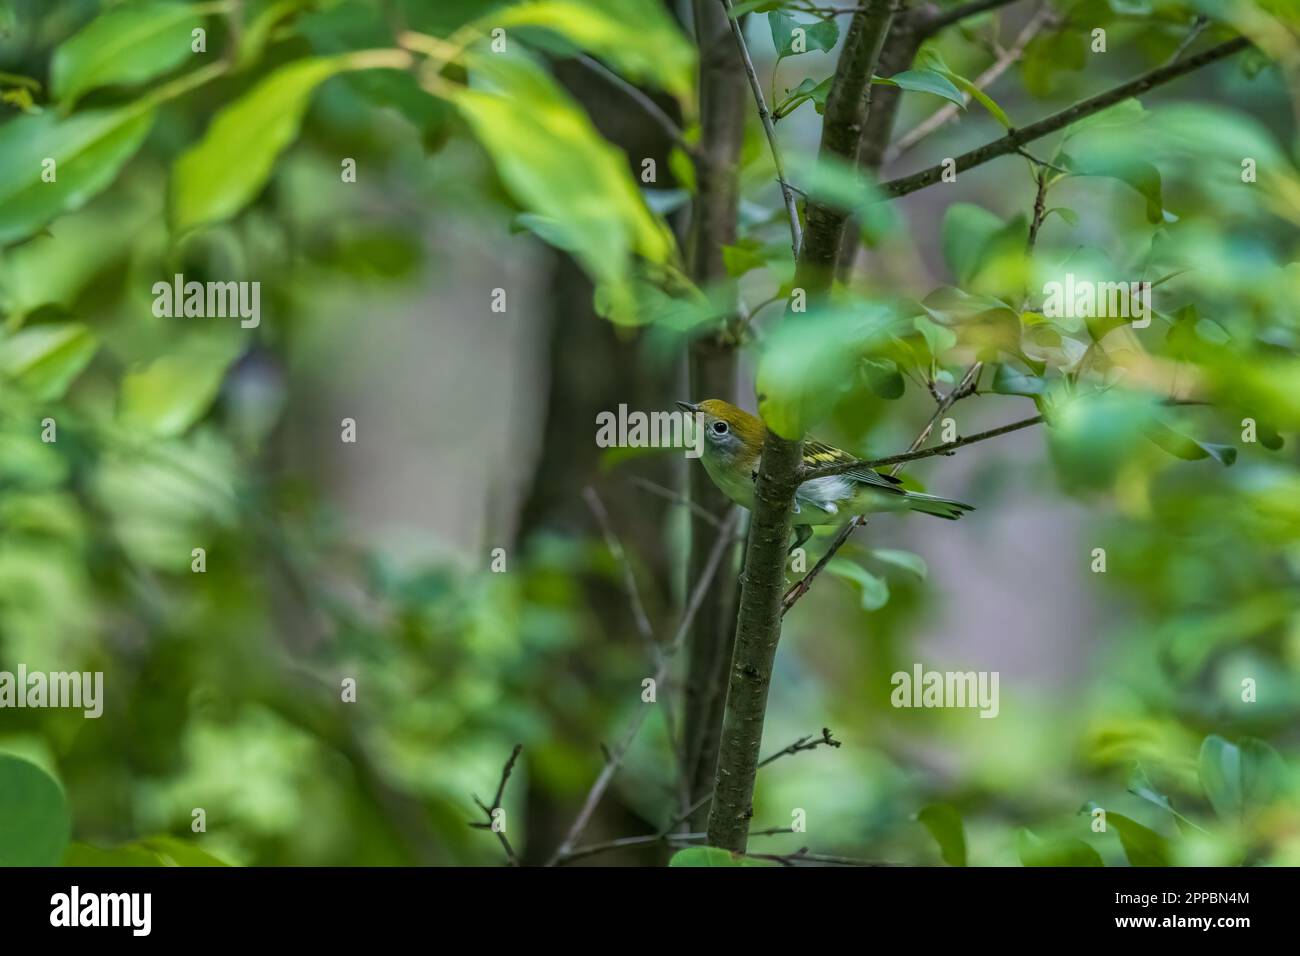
719, 428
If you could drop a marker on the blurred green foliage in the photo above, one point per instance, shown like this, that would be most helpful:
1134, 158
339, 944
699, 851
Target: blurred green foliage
223, 164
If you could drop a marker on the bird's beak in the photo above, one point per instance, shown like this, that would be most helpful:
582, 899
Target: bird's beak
688, 407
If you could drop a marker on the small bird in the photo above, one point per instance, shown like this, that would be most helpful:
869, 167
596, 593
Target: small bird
733, 445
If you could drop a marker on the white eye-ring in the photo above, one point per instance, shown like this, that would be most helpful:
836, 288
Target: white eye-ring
719, 428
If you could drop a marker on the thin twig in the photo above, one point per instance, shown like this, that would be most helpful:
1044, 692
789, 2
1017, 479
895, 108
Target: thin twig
796, 231
1016, 138
947, 448
803, 856
1198, 27
653, 839
615, 547
1008, 58
648, 105
800, 588
614, 759
964, 11
675, 497
489, 811
803, 743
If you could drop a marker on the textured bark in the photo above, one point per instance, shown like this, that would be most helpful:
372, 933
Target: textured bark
758, 624
844, 119
906, 34
758, 629
712, 374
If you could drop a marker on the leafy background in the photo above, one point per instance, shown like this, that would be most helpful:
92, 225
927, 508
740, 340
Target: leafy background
372, 560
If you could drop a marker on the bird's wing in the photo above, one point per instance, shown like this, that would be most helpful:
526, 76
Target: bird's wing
818, 453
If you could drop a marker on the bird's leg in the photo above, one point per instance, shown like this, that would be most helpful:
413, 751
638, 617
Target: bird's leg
802, 532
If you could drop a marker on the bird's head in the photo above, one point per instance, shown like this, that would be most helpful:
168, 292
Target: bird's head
730, 433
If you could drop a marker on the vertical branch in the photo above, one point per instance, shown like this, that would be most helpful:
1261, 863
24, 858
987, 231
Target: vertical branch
712, 374
845, 118
758, 625
757, 631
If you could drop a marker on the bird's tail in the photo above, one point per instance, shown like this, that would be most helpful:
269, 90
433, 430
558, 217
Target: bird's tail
939, 507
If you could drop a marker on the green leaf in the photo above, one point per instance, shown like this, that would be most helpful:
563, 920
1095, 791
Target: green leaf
1069, 215
754, 6
555, 165
1188, 448
1142, 845
88, 149
1062, 852
811, 360
82, 854
744, 256
986, 101
174, 391
1010, 381
710, 856
225, 170
875, 590
44, 359
1239, 778
34, 821
808, 89
817, 35
1141, 175
637, 37
1139, 784
906, 560
175, 852
884, 378
924, 81
967, 231
155, 851
937, 338
944, 824
842, 186
127, 45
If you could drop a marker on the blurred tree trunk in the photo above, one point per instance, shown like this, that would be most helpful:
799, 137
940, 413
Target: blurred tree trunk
594, 367
724, 105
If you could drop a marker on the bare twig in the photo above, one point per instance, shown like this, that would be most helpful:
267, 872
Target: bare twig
615, 547
489, 811
803, 743
677, 498
1198, 27
615, 757
964, 11
945, 449
803, 856
792, 210
652, 839
1008, 58
1017, 138
648, 106
963, 388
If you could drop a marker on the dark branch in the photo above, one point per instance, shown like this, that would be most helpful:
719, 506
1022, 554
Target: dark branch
1016, 139
947, 448
496, 805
